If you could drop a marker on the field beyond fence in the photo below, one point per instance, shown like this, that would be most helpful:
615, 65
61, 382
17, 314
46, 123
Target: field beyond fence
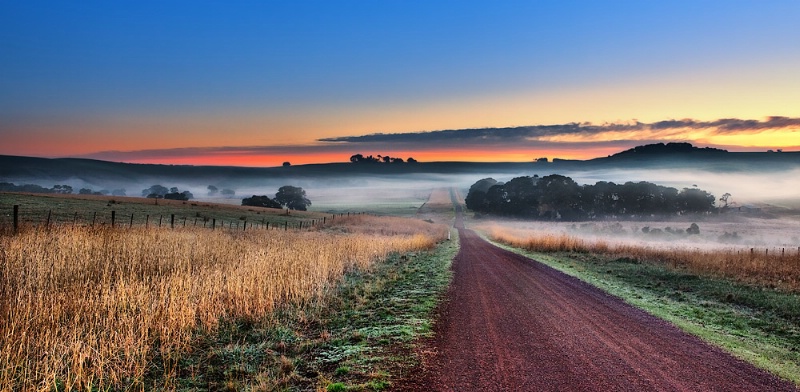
769, 267
102, 306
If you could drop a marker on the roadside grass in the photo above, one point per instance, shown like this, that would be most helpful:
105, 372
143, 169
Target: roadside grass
757, 324
359, 337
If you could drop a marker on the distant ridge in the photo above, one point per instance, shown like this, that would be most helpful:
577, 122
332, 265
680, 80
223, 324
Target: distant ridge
669, 148
660, 156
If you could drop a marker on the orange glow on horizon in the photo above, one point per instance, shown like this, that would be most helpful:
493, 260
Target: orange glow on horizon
460, 155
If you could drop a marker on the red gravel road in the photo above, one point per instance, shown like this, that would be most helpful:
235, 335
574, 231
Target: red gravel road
513, 324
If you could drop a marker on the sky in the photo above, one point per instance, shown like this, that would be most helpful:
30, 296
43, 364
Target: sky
258, 83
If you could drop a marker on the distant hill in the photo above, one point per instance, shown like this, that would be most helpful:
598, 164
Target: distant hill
668, 149
103, 174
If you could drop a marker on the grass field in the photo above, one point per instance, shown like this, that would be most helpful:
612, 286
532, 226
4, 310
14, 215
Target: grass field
83, 209
87, 308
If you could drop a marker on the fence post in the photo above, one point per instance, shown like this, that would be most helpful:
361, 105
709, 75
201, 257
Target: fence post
74, 219
16, 219
244, 228
113, 217
798, 249
172, 221
213, 223
147, 221
49, 213
195, 221
131, 225
184, 221
160, 218
286, 226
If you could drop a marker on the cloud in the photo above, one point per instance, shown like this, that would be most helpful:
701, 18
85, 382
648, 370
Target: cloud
571, 141
525, 134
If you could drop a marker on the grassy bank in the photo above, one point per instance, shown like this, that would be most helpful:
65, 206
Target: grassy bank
758, 324
358, 338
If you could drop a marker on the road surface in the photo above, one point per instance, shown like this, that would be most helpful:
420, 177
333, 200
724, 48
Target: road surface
512, 324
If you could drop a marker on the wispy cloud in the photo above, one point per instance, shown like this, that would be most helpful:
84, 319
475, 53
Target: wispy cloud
571, 140
668, 128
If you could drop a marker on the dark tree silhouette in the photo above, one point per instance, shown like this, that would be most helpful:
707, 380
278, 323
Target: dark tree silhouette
293, 198
185, 195
260, 201
559, 197
212, 190
155, 191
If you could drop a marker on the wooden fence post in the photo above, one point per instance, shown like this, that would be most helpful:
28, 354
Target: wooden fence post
160, 218
286, 226
172, 221
147, 221
49, 213
113, 217
16, 219
94, 218
74, 219
244, 228
131, 225
213, 223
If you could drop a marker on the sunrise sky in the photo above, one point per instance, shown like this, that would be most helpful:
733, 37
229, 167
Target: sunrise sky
262, 82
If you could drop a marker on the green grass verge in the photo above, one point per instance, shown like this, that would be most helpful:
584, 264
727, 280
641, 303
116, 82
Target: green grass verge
757, 324
358, 338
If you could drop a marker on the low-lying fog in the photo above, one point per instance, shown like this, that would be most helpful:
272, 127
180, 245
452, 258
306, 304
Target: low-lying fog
747, 188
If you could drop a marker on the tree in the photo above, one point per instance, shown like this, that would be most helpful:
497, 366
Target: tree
212, 190
477, 194
293, 198
260, 201
286, 164
228, 192
156, 191
118, 192
85, 191
724, 199
411, 160
695, 200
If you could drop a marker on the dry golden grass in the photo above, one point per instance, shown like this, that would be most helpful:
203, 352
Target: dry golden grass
83, 307
775, 269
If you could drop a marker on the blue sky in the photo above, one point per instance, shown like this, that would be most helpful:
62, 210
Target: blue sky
289, 73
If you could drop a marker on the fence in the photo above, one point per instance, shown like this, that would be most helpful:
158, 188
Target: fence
171, 220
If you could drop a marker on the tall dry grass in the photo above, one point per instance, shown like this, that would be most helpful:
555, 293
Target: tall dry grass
83, 307
775, 269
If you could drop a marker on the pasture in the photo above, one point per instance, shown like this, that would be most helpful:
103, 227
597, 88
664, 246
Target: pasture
88, 307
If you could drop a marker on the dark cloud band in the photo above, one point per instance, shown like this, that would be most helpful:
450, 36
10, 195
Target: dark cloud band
526, 133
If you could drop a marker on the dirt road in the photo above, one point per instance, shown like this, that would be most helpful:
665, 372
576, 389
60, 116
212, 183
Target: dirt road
512, 324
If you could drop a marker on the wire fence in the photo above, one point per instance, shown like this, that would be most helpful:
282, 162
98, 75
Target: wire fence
15, 220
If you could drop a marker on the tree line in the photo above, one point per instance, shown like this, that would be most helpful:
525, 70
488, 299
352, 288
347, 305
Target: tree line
557, 197
359, 158
57, 189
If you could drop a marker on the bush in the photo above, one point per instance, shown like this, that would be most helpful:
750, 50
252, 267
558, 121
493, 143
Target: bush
260, 201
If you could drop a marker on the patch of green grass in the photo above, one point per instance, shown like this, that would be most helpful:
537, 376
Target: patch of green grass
357, 338
757, 324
